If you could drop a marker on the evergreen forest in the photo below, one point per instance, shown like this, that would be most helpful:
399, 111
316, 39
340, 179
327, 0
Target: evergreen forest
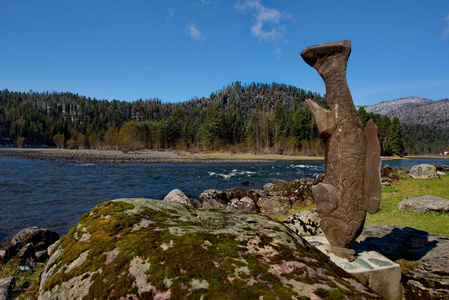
258, 117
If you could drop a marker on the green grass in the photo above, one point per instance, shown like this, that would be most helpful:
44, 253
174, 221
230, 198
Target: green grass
436, 223
27, 282
432, 222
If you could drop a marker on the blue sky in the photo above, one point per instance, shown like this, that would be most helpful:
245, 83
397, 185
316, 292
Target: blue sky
176, 50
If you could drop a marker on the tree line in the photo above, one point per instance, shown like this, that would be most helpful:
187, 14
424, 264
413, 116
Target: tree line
252, 118
425, 139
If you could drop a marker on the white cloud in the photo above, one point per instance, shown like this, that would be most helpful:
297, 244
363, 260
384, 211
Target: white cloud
446, 28
207, 2
171, 13
266, 21
194, 32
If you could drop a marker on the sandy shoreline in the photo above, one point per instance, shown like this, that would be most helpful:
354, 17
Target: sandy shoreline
142, 157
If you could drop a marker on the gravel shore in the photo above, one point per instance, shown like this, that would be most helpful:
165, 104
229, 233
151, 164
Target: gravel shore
118, 157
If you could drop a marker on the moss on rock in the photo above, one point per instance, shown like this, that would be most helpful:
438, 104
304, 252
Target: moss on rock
136, 248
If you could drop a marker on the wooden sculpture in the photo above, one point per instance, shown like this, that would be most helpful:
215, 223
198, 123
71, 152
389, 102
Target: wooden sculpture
352, 183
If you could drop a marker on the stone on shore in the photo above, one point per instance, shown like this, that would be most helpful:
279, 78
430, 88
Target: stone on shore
273, 204
212, 199
424, 204
275, 186
177, 195
298, 191
388, 175
25, 253
140, 248
41, 238
304, 223
244, 204
29, 244
240, 193
423, 171
6, 285
444, 169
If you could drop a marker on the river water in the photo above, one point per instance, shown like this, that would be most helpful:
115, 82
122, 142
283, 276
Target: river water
55, 194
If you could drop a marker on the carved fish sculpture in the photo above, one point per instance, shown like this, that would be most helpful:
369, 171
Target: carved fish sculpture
352, 183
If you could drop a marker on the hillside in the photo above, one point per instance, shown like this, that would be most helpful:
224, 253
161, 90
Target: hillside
257, 117
254, 117
414, 110
425, 122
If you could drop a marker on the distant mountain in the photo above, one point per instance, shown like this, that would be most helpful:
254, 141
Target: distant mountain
414, 110
425, 122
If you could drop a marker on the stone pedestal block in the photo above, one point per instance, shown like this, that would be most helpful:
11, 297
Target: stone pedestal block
370, 267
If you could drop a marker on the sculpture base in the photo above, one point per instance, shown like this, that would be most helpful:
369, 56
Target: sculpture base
347, 253
370, 267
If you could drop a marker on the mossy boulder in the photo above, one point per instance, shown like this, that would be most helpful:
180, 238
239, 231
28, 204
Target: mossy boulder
140, 248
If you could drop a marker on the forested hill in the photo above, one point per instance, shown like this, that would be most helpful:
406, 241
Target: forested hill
256, 117
425, 122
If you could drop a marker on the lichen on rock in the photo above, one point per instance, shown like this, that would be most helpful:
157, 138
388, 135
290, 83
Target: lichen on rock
147, 248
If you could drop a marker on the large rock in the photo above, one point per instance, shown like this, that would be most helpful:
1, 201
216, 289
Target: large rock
177, 195
240, 193
424, 203
245, 204
275, 187
26, 243
424, 258
440, 168
423, 171
40, 238
6, 286
304, 223
388, 175
24, 254
139, 248
213, 199
272, 204
299, 191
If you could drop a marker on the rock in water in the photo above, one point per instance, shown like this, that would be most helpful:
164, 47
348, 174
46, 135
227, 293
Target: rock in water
423, 171
140, 248
424, 203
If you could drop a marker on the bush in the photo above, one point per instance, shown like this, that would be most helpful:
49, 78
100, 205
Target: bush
20, 141
59, 140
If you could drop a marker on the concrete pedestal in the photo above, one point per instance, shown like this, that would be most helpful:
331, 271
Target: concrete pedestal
370, 267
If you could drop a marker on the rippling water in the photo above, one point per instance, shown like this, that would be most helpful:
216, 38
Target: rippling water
55, 194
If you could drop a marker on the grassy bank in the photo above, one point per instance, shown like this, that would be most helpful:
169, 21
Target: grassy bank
432, 222
436, 223
26, 284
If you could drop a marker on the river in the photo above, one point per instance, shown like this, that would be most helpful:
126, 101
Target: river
55, 194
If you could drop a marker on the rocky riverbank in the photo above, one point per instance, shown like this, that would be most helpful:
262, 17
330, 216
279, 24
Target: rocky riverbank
144, 157
219, 225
